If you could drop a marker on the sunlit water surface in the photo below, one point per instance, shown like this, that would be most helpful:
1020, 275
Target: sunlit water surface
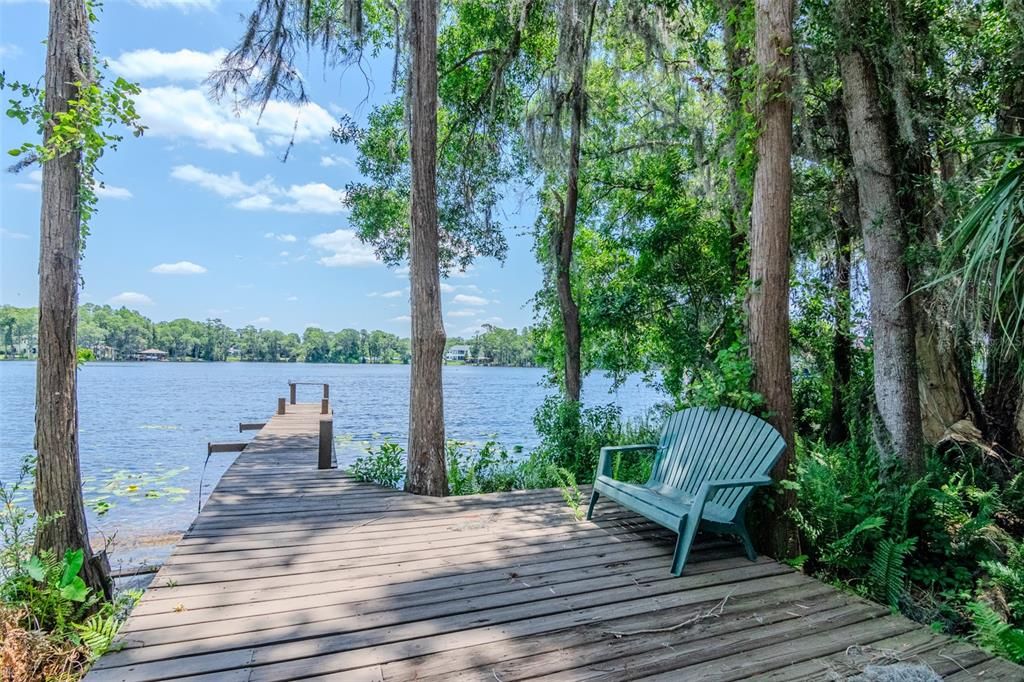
145, 426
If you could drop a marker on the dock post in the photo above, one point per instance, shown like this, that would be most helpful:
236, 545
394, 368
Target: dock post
325, 406
327, 391
291, 393
280, 405
326, 441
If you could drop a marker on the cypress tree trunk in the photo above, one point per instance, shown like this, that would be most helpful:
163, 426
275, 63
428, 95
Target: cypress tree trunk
58, 490
768, 301
426, 456
898, 422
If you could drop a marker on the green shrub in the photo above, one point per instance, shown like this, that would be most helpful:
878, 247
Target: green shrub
384, 466
488, 469
572, 437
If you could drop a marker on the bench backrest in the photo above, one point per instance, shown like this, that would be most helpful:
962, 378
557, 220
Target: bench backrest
699, 444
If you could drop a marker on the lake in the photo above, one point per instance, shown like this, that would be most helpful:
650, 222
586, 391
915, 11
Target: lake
144, 426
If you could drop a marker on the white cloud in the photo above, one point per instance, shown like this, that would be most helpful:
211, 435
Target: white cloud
9, 50
285, 237
106, 191
344, 249
183, 65
4, 232
401, 318
292, 298
127, 298
174, 112
283, 120
182, 267
261, 320
183, 5
463, 313
386, 294
467, 299
265, 195
224, 185
283, 254
447, 288
336, 160
35, 182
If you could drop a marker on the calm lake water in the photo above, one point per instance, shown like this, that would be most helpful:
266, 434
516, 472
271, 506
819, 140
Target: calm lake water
144, 426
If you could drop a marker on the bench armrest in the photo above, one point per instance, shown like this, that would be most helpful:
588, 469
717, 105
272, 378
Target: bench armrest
736, 483
604, 464
709, 488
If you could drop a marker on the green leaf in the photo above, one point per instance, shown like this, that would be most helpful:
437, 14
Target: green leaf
73, 560
35, 568
76, 590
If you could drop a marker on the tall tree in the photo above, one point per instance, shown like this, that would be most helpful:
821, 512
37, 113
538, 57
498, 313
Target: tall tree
262, 66
426, 467
58, 490
574, 40
898, 409
566, 97
768, 300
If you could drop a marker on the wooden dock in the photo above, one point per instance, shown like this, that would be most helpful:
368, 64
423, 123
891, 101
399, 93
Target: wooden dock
291, 572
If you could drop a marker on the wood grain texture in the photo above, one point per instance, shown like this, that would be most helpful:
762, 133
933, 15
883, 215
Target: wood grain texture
354, 582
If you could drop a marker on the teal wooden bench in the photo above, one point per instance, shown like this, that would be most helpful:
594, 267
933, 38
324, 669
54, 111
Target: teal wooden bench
706, 464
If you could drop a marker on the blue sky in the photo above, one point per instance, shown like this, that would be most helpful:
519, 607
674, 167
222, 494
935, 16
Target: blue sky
201, 218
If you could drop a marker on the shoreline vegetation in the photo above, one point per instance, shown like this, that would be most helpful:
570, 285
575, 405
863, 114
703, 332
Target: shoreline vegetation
120, 334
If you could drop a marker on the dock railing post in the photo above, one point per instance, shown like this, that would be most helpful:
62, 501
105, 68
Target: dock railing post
291, 393
280, 405
326, 441
325, 406
327, 391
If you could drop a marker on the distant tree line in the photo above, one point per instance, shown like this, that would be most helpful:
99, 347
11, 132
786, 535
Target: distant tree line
120, 333
497, 346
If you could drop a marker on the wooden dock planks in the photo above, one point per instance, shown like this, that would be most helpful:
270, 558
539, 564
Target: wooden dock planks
291, 572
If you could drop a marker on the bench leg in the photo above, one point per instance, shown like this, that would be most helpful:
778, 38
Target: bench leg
748, 546
593, 500
687, 532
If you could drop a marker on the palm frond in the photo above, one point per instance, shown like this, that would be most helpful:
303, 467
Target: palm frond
988, 245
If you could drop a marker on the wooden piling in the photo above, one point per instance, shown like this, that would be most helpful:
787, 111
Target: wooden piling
326, 442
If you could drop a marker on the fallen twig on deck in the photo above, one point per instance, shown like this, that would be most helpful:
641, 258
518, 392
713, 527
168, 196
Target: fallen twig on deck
714, 612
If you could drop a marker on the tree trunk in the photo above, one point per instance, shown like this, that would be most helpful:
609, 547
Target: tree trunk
426, 456
58, 490
563, 241
898, 422
838, 429
565, 233
768, 300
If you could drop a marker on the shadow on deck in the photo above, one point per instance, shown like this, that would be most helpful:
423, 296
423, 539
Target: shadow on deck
290, 572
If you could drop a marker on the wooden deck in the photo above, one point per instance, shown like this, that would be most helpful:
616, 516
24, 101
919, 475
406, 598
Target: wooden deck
290, 572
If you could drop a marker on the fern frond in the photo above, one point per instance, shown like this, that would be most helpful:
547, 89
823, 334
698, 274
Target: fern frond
97, 633
888, 573
994, 633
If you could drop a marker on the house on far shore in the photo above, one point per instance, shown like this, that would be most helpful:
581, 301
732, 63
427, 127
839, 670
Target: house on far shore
457, 354
151, 354
103, 352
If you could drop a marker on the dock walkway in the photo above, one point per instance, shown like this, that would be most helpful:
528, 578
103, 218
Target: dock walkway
291, 572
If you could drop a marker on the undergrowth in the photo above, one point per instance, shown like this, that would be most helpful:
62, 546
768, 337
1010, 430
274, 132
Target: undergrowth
944, 550
52, 626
